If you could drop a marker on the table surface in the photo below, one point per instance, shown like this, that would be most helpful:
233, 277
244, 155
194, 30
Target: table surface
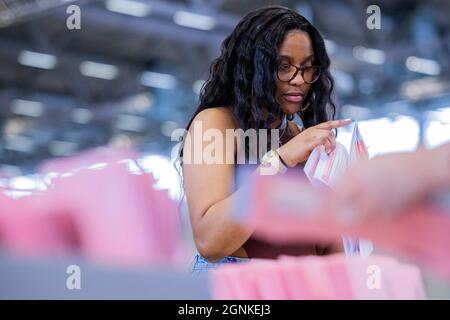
37, 278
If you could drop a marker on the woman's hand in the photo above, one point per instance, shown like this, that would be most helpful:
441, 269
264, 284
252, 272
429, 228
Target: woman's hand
298, 149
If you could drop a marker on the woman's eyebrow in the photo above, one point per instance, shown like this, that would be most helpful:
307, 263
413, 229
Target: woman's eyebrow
307, 59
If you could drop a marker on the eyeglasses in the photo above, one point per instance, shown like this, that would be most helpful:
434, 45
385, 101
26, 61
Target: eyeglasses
286, 72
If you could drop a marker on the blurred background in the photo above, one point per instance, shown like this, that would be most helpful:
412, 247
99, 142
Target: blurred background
132, 73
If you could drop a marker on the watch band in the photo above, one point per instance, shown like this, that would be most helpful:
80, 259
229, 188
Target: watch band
281, 159
276, 165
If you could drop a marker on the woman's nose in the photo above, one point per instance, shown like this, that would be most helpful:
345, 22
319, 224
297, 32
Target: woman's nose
297, 80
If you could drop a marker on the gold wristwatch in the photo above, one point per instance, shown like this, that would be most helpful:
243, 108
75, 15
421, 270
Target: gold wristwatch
272, 163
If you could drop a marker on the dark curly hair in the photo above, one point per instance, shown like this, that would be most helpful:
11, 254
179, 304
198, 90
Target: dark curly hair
244, 75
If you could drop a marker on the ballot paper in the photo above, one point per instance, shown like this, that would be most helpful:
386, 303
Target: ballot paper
106, 214
324, 170
310, 278
286, 209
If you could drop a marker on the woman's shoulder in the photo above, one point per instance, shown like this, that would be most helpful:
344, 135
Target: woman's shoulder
219, 117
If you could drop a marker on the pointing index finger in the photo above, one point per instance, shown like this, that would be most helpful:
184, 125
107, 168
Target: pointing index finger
334, 124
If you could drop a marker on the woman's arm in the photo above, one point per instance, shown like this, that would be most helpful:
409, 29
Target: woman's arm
210, 188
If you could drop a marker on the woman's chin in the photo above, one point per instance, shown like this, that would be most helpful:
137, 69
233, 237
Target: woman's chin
291, 109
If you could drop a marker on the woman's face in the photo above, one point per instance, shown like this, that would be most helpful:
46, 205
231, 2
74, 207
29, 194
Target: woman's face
296, 49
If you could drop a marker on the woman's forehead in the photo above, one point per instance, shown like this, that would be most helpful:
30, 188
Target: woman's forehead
297, 46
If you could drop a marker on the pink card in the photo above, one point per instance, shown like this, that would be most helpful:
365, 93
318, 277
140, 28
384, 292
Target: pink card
316, 275
371, 278
296, 282
106, 213
269, 282
286, 209
221, 284
336, 267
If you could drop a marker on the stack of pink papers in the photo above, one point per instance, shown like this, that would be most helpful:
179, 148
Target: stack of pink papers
329, 277
109, 215
287, 209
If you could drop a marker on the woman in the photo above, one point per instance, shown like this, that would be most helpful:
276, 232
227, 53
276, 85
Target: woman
273, 66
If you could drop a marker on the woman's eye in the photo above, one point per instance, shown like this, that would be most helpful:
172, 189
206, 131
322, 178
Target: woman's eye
284, 66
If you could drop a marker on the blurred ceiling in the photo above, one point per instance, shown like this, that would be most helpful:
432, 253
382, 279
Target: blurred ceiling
131, 74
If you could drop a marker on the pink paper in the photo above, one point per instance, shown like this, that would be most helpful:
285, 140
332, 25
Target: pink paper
108, 214
327, 277
286, 209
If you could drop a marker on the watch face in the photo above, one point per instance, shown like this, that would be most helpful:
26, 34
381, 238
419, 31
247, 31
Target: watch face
269, 155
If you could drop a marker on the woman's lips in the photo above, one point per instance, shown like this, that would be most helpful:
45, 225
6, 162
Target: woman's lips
295, 98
